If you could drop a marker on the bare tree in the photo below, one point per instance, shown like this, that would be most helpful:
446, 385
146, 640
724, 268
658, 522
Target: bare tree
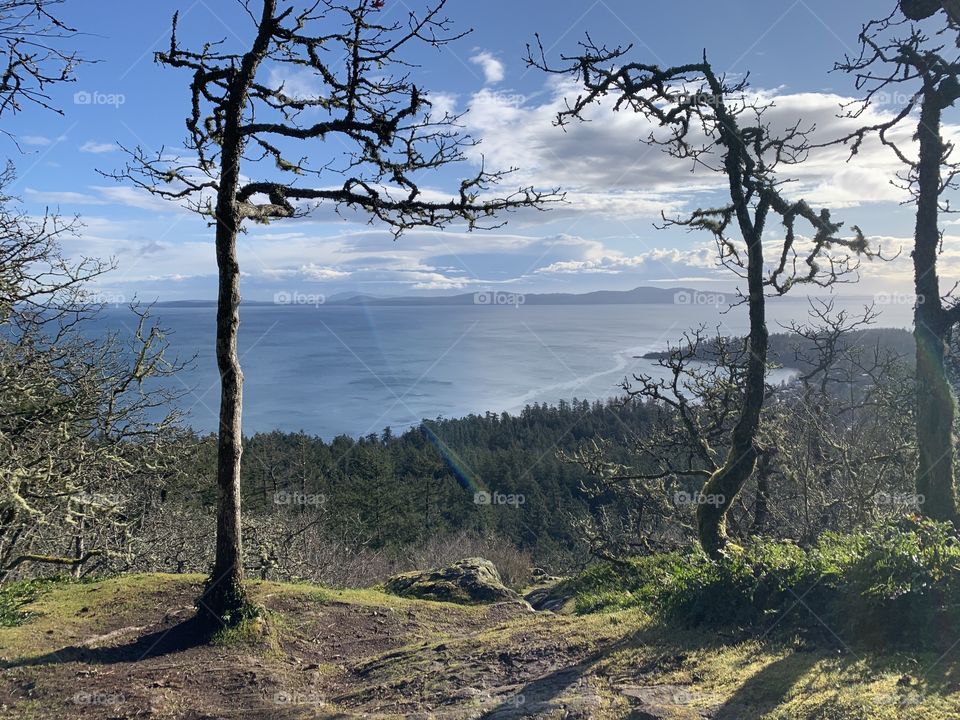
644, 503
834, 444
843, 427
77, 422
242, 124
897, 57
719, 127
31, 56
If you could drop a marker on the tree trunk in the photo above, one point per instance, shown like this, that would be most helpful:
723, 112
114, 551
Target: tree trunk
761, 509
721, 489
224, 596
935, 399
79, 549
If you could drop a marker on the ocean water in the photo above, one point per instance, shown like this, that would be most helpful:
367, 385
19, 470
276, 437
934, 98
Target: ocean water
331, 370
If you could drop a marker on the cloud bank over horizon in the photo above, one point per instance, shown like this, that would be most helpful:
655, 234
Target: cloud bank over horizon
605, 235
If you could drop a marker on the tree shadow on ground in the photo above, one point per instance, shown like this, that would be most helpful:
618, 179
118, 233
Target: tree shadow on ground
181, 636
551, 686
767, 689
756, 696
671, 647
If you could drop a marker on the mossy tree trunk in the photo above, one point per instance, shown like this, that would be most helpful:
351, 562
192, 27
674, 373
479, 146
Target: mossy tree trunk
224, 597
723, 486
935, 402
761, 507
918, 67
384, 120
725, 483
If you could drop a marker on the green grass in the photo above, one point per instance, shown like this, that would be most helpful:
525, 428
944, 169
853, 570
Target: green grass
63, 610
896, 583
777, 677
15, 597
261, 633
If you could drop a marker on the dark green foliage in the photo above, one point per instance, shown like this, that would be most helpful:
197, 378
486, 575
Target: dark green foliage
897, 582
614, 586
14, 596
391, 490
893, 583
791, 351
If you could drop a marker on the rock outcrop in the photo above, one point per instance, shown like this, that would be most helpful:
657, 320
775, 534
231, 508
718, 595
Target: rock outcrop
469, 581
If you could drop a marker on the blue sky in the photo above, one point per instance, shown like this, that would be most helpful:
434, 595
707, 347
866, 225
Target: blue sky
604, 238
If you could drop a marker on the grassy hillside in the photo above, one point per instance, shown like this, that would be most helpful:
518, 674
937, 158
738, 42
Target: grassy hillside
120, 648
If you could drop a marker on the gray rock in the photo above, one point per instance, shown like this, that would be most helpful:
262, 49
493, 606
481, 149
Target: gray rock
469, 581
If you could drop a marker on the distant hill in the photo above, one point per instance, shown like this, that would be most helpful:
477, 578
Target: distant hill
637, 296
784, 346
208, 303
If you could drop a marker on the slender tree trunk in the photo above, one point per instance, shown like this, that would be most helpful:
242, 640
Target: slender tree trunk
224, 596
79, 548
935, 399
722, 487
761, 509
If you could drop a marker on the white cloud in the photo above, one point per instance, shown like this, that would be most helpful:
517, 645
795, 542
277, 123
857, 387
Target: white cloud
297, 84
150, 251
368, 260
602, 237
115, 195
493, 70
64, 197
442, 104
138, 198
437, 281
315, 272
91, 146
607, 170
615, 263
38, 140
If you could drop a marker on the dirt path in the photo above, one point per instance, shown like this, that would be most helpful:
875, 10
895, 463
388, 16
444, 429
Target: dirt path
323, 655
123, 649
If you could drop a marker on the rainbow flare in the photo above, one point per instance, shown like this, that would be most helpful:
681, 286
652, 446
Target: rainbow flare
467, 479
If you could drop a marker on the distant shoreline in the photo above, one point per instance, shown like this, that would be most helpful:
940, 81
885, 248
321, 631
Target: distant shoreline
638, 296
